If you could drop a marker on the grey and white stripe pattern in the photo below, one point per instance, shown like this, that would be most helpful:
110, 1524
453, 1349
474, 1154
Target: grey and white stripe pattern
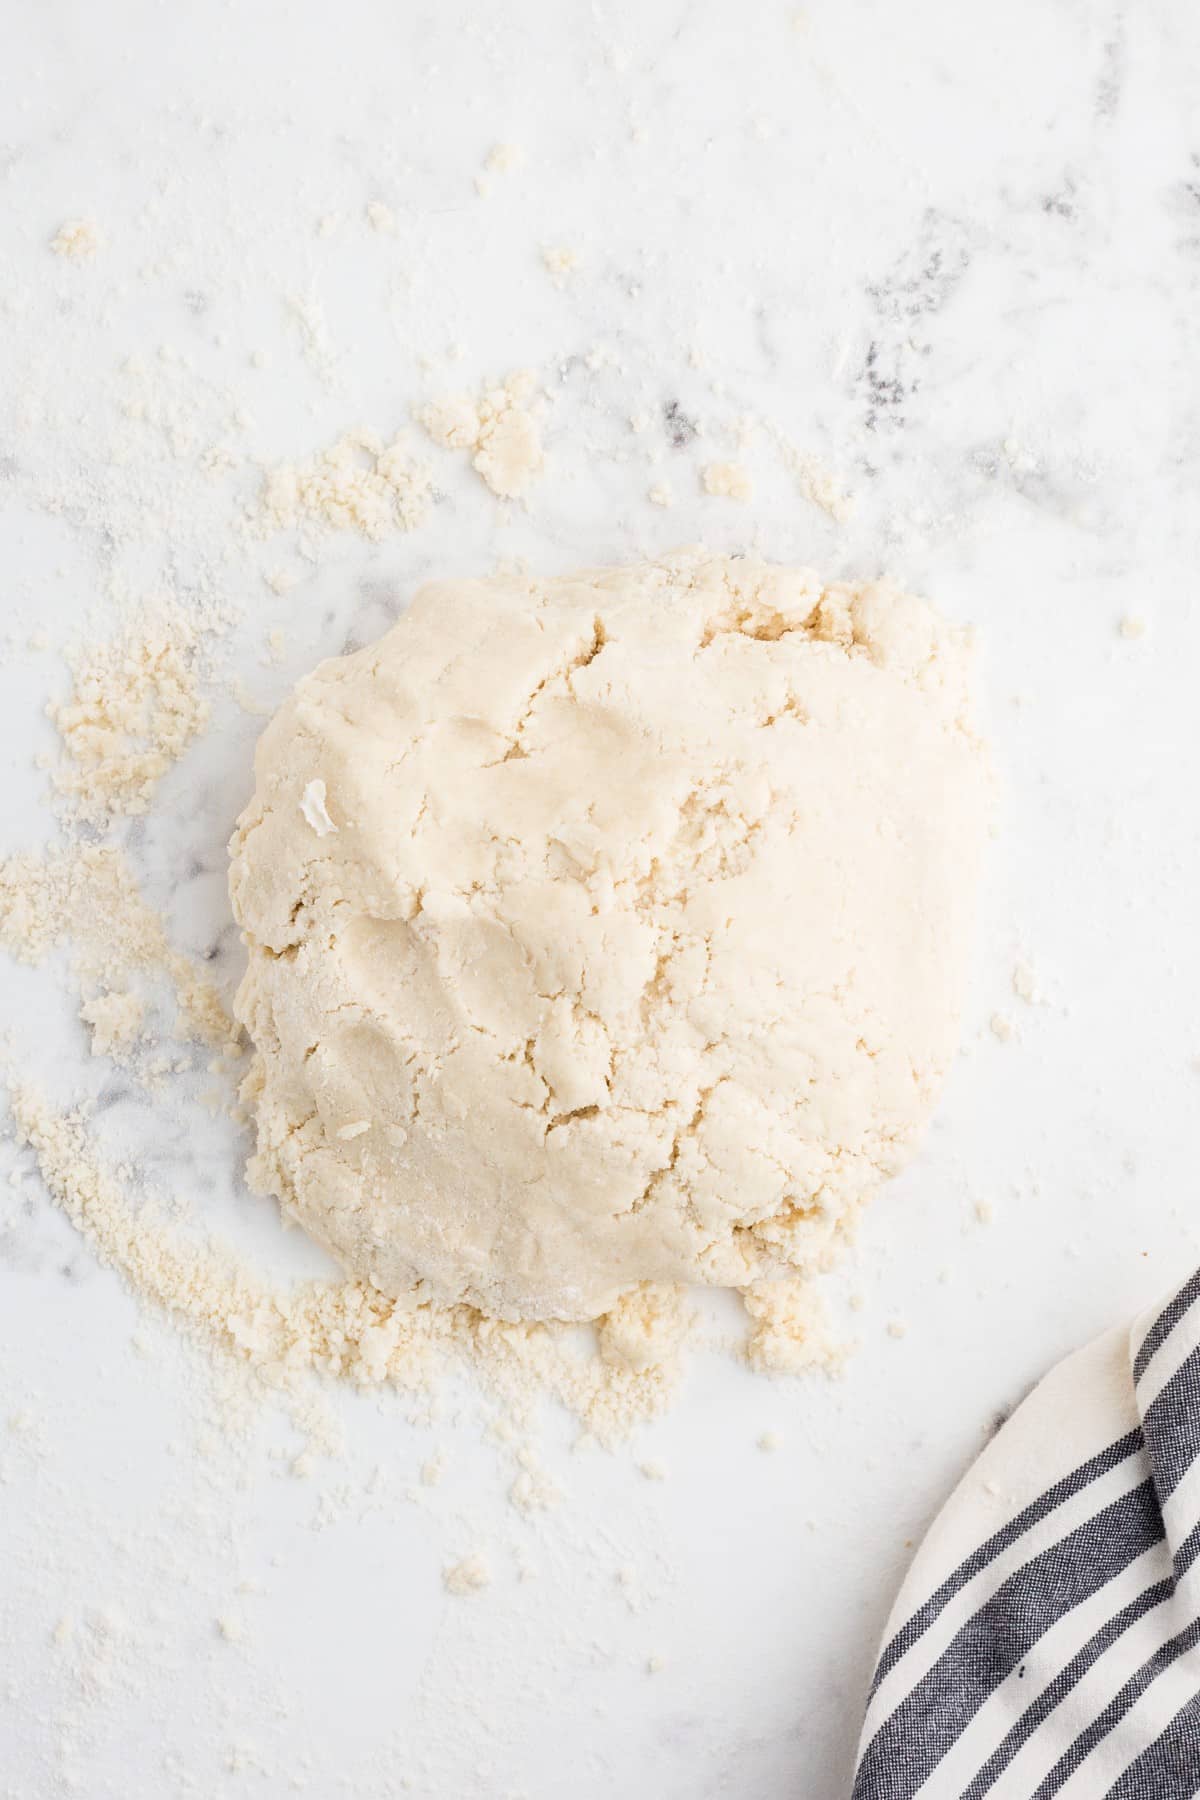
1047, 1638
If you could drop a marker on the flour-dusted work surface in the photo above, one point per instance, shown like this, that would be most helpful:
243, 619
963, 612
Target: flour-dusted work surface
299, 313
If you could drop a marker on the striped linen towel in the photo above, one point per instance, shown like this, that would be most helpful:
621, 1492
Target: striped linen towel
1047, 1638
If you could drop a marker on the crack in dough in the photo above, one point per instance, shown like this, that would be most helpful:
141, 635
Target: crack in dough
640, 940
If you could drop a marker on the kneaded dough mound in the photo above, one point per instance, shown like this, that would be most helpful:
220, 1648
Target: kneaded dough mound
607, 929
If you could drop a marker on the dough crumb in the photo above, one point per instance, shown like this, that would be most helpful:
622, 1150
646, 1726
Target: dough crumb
133, 709
1025, 984
790, 1331
897, 1328
535, 1489
499, 428
361, 483
728, 480
468, 1576
560, 261
651, 1469
502, 159
815, 482
115, 1020
77, 240
433, 1468
1133, 626
381, 218
1002, 1028
661, 494
646, 1327
769, 1441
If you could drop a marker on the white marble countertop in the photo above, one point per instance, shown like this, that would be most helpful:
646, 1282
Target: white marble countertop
951, 254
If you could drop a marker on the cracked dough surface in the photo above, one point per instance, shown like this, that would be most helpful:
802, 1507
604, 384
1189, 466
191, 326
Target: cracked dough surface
627, 942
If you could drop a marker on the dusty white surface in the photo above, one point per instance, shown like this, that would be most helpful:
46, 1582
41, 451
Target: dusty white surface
944, 262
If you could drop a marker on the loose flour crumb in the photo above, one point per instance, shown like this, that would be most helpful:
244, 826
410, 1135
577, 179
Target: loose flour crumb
535, 1489
468, 1576
815, 482
315, 342
560, 260
505, 159
76, 239
499, 428
1025, 984
728, 480
433, 1468
661, 494
381, 218
502, 159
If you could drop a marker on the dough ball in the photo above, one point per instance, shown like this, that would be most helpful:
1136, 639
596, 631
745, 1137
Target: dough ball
608, 929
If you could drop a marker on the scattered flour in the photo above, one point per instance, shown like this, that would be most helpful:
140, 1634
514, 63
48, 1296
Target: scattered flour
281, 1336
88, 897
499, 428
